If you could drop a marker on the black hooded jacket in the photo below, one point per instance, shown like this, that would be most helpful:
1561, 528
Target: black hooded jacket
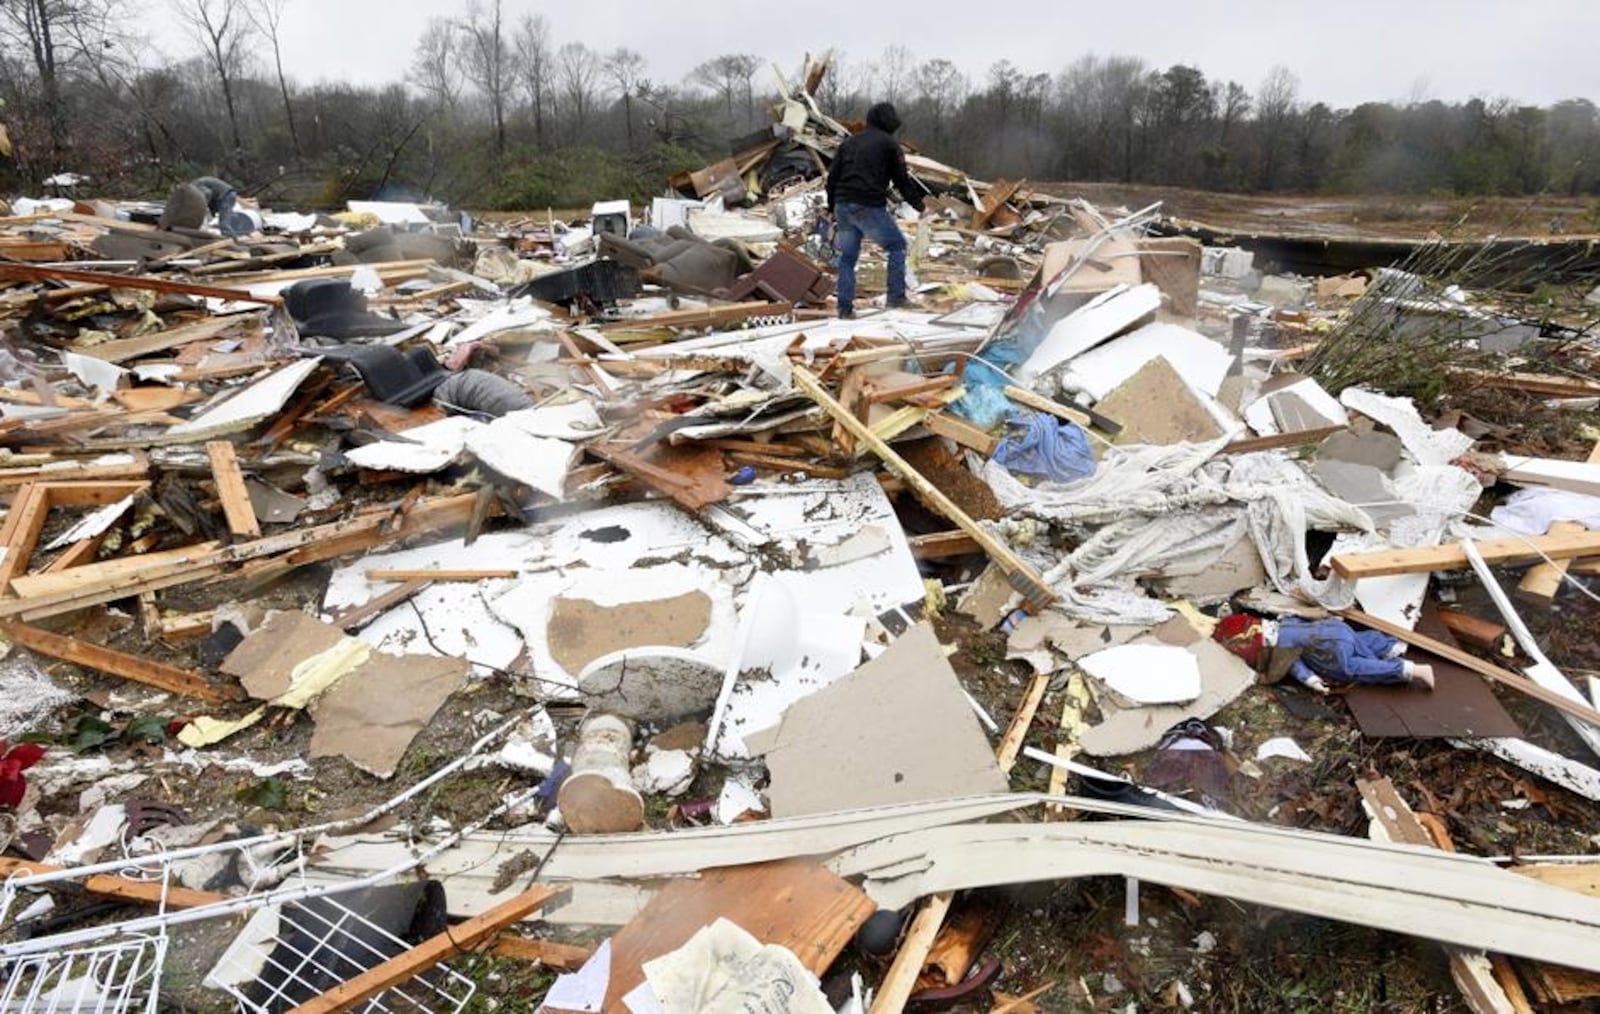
869, 161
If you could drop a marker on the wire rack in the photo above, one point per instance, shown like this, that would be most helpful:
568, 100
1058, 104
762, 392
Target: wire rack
292, 953
115, 977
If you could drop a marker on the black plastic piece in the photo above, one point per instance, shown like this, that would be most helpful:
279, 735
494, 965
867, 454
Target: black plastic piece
398, 378
599, 282
331, 308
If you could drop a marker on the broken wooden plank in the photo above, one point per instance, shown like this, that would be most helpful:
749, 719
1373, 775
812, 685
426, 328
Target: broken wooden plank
691, 476
236, 506
562, 957
1387, 562
24, 521
943, 545
901, 979
1394, 821
351, 620
149, 892
1485, 634
1281, 440
1502, 676
1556, 473
408, 964
786, 465
1021, 722
440, 575
877, 392
1022, 576
98, 657
31, 273
137, 468
92, 585
123, 349
967, 434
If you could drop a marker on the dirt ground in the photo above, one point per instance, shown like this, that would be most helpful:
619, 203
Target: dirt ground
1367, 217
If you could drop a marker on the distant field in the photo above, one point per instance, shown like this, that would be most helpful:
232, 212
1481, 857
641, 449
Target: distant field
1370, 217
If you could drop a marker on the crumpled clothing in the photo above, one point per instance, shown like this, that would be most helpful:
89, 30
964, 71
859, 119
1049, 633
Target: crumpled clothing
1050, 448
481, 394
1533, 511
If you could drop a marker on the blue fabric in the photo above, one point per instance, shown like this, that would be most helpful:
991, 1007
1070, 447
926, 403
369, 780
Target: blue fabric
984, 402
1049, 448
852, 222
1339, 653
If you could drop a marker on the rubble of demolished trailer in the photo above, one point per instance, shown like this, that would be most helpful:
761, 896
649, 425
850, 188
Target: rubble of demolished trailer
395, 601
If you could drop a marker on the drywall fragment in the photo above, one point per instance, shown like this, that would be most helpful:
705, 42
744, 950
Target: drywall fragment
1156, 406
371, 715
896, 730
582, 631
1100, 319
1427, 445
426, 448
261, 399
1147, 673
1282, 746
1223, 677
539, 462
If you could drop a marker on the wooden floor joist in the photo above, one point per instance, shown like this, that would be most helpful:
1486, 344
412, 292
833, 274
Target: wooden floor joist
103, 659
1388, 562
407, 965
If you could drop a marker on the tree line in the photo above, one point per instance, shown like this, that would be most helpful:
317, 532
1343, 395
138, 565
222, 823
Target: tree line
495, 111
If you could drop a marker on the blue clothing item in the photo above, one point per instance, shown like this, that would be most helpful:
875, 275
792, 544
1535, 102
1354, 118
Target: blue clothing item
852, 222
1339, 653
1051, 449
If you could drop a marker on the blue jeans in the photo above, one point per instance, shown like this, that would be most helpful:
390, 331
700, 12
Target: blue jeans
1340, 654
852, 221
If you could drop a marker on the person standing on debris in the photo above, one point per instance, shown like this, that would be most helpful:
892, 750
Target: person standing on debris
1319, 652
190, 203
858, 192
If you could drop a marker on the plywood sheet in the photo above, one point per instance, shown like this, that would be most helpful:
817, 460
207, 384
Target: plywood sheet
1462, 704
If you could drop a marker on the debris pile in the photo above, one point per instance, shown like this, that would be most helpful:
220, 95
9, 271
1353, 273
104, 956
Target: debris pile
391, 579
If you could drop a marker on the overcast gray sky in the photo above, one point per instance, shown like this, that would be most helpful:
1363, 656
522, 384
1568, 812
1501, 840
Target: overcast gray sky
1343, 52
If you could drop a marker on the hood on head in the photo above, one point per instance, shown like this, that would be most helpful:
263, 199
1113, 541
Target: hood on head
884, 117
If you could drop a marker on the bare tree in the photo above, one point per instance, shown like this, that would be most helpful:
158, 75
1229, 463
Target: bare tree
578, 69
267, 16
487, 59
1276, 101
56, 35
896, 68
727, 75
625, 68
534, 68
436, 63
219, 27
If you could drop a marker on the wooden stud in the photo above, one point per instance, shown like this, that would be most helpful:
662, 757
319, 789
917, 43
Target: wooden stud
147, 283
20, 534
1021, 722
94, 656
943, 545
1022, 576
408, 964
150, 892
1387, 562
896, 987
563, 957
967, 434
236, 504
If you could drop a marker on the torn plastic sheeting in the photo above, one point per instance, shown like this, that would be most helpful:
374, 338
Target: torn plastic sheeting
256, 402
1427, 445
27, 696
1098, 320
1532, 511
783, 652
421, 450
1051, 448
539, 462
1201, 362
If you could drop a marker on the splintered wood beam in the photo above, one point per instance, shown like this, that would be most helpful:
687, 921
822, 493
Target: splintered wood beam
967, 434
236, 506
457, 939
901, 979
1021, 722
564, 957
95, 656
149, 892
1388, 562
31, 273
1022, 576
